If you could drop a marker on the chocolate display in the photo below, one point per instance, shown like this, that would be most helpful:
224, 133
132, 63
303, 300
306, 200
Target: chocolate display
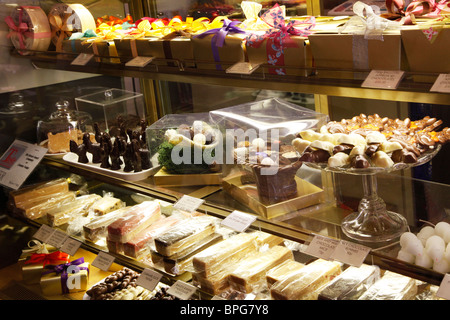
117, 281
371, 141
126, 150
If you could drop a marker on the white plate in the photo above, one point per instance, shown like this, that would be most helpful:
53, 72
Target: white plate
129, 176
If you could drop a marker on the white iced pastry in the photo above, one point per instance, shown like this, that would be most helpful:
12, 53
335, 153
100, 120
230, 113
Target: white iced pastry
338, 160
310, 135
323, 145
390, 146
375, 137
300, 145
381, 159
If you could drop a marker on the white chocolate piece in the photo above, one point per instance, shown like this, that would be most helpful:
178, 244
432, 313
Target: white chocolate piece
267, 161
323, 129
176, 139
199, 138
170, 133
425, 233
338, 160
259, 144
300, 145
442, 229
357, 150
324, 145
329, 138
389, 146
197, 127
381, 159
310, 135
375, 137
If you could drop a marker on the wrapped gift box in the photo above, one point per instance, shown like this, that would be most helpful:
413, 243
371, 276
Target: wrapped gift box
33, 267
65, 278
427, 50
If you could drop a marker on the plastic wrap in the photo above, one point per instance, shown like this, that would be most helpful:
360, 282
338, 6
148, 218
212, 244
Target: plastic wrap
283, 270
142, 243
249, 274
185, 235
303, 285
20, 198
391, 286
71, 210
138, 218
107, 204
36, 211
97, 228
351, 283
184, 143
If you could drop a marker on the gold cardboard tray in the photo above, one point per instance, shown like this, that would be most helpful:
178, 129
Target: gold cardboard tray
165, 179
247, 195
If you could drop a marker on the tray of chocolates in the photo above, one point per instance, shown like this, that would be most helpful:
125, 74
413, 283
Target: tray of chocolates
124, 155
371, 144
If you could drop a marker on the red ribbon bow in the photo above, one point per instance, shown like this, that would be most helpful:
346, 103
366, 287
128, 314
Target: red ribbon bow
21, 29
48, 258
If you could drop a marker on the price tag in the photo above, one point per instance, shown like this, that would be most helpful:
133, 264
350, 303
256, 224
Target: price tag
139, 62
57, 239
149, 279
82, 59
444, 288
242, 68
103, 261
350, 253
17, 163
182, 290
383, 79
188, 203
321, 247
44, 233
238, 221
442, 83
70, 246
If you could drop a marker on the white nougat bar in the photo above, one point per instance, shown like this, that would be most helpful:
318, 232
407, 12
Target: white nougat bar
107, 204
69, 211
303, 284
391, 286
251, 272
282, 271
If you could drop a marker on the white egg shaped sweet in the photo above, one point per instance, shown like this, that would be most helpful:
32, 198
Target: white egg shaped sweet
442, 229
406, 256
442, 266
406, 237
425, 233
447, 252
435, 248
424, 261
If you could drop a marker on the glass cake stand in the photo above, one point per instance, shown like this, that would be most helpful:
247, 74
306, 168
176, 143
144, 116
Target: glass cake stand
373, 222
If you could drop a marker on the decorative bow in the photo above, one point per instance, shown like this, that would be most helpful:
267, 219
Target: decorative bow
219, 35
60, 28
87, 34
426, 8
62, 270
35, 246
252, 20
112, 20
279, 36
48, 258
22, 30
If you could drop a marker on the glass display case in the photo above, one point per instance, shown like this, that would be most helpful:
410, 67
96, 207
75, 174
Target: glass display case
170, 88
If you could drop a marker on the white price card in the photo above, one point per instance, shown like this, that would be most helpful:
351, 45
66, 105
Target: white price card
182, 290
442, 83
57, 238
188, 203
383, 79
82, 59
17, 163
321, 247
103, 261
444, 288
139, 62
350, 253
70, 246
238, 221
148, 279
242, 68
44, 233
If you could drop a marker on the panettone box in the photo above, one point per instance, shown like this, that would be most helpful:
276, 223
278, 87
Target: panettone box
427, 50
350, 56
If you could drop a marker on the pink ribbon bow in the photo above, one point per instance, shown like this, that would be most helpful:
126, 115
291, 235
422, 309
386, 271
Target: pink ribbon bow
279, 36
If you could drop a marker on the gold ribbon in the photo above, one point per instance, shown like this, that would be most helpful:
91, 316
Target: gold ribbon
60, 29
252, 20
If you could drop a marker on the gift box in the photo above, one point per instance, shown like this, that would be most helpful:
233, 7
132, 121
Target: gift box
33, 267
65, 278
219, 47
427, 50
284, 45
365, 42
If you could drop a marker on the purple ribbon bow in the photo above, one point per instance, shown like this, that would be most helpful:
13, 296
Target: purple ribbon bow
219, 35
62, 269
